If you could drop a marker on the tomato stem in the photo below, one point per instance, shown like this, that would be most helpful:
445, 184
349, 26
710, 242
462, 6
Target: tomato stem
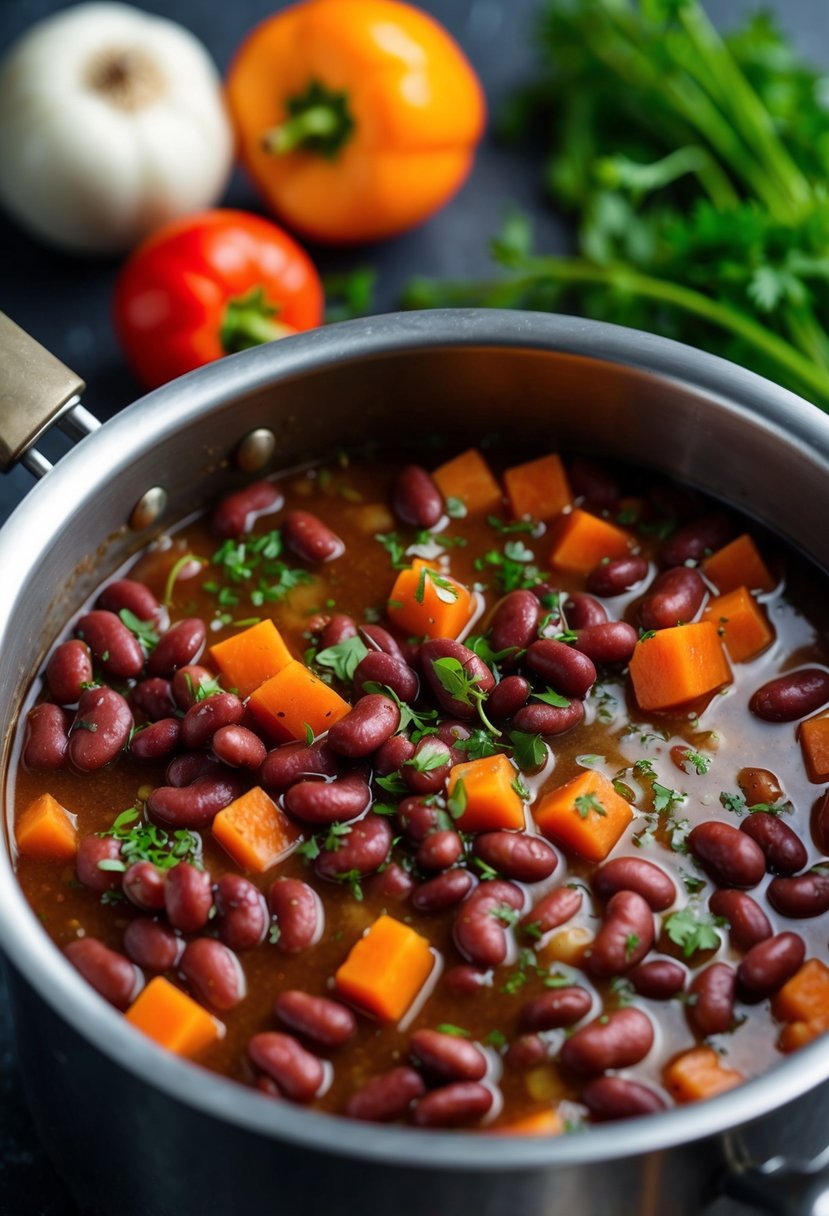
249, 321
318, 121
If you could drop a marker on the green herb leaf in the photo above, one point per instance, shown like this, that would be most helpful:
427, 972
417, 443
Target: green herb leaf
145, 631
551, 697
693, 930
343, 658
429, 757
457, 1032
585, 803
528, 751
457, 800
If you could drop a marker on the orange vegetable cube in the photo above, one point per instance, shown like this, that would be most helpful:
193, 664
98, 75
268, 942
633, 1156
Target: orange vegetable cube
386, 969
542, 1123
739, 564
582, 540
676, 665
538, 488
173, 1019
47, 831
248, 659
294, 699
798, 1034
491, 798
469, 478
805, 997
697, 1074
255, 831
814, 743
428, 604
586, 816
741, 623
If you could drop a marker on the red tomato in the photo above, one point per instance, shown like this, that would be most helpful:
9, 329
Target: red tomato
207, 286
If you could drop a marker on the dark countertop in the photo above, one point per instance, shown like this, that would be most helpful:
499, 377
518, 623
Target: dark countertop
64, 303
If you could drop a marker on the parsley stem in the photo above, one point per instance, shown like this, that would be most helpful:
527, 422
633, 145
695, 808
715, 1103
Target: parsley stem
175, 571
479, 699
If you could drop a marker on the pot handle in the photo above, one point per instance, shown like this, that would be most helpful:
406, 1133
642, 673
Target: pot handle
37, 391
783, 1186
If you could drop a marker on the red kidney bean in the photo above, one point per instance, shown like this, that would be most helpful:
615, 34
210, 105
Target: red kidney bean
515, 621
474, 668
504, 892
635, 874
47, 737
180, 646
540, 718
516, 855
202, 720
241, 912
291, 762
298, 912
695, 540
478, 933
92, 850
101, 728
582, 611
553, 909
239, 747
450, 732
448, 1057
143, 885
416, 819
391, 883
380, 668
711, 1010
116, 649
507, 697
442, 892
114, 977
748, 923
379, 639
727, 855
214, 974
156, 740
154, 698
820, 823
386, 1097
309, 538
363, 850
626, 936
660, 979
323, 802
184, 770
152, 945
326, 1022
560, 1007
298, 1074
415, 499
613, 642
419, 774
69, 668
188, 897
135, 597
526, 1051
339, 628
372, 721
440, 851
392, 755
614, 1040
616, 575
674, 598
801, 897
194, 806
236, 513
187, 681
464, 980
455, 1105
592, 482
768, 965
611, 1098
784, 850
791, 696
569, 671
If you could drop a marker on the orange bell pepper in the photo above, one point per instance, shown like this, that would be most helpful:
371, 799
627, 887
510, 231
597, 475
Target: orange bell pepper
355, 118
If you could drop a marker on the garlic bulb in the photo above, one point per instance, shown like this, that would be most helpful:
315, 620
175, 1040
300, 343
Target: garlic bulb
111, 123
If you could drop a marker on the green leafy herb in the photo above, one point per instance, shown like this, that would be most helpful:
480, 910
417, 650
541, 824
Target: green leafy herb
419, 722
692, 882
309, 734
496, 1039
520, 788
205, 688
585, 803
480, 646
445, 589
457, 1032
353, 880
622, 990
350, 294
393, 784
142, 841
664, 798
394, 546
145, 631
455, 507
693, 930
430, 756
589, 760
528, 751
484, 868
342, 658
462, 686
632, 942
274, 933
695, 760
679, 835
551, 697
518, 525
479, 745
513, 569
175, 572
309, 849
457, 800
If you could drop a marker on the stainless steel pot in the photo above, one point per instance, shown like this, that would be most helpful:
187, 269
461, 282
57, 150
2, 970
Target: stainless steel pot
136, 1132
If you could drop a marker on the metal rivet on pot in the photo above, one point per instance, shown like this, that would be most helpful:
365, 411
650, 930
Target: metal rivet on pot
255, 450
148, 509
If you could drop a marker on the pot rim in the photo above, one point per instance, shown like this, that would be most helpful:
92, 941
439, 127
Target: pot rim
164, 411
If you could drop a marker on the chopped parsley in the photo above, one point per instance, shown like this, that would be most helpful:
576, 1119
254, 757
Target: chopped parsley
694, 930
585, 803
343, 658
462, 686
142, 841
528, 751
145, 631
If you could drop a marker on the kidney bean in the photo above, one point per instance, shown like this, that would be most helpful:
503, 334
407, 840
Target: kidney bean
569, 671
386, 1097
516, 855
391, 883
616, 575
450, 732
615, 1040
526, 1051
379, 639
135, 597
440, 851
203, 719
194, 806
553, 909
442, 892
68, 669
727, 855
154, 698
583, 611
92, 850
298, 1074
759, 785
592, 482
291, 762
560, 1007
820, 823
447, 1057
540, 718
784, 850
236, 513
322, 802
326, 1022
474, 668
372, 721
241, 912
791, 696
156, 740
188, 897
180, 646
748, 923
47, 737
712, 1008
507, 697
515, 621
692, 542
478, 933
184, 770
455, 1105
239, 747
626, 936
214, 974
114, 977
392, 755
298, 912
660, 979
101, 728
504, 892
187, 681
380, 668
116, 649
419, 774
635, 874
611, 1098
340, 628
768, 965
363, 850
415, 498
152, 945
613, 642
464, 980
143, 885
801, 897
309, 538
674, 598
416, 820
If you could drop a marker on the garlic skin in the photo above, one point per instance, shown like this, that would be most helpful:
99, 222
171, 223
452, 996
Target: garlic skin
112, 122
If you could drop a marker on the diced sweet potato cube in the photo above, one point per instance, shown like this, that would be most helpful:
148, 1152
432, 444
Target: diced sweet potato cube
676, 665
47, 831
173, 1019
582, 540
538, 488
741, 623
429, 604
542, 1123
250, 658
814, 743
468, 477
697, 1074
492, 801
294, 699
586, 816
805, 997
255, 831
738, 564
797, 1034
386, 969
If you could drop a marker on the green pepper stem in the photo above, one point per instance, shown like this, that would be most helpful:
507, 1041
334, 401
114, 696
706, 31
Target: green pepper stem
318, 121
250, 321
